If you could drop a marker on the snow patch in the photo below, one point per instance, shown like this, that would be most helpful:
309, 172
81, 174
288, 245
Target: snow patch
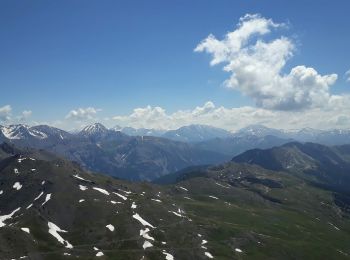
53, 230
209, 255
147, 244
110, 227
141, 220
179, 213
17, 186
168, 256
333, 226
21, 159
37, 197
183, 188
5, 217
82, 187
25, 230
175, 213
37, 134
47, 198
219, 184
144, 234
125, 191
101, 190
121, 196
80, 178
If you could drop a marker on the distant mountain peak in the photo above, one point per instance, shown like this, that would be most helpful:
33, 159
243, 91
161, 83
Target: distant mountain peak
259, 131
131, 131
196, 133
21, 131
197, 126
117, 128
94, 129
253, 128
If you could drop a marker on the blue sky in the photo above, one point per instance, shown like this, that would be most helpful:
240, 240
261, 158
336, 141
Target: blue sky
115, 56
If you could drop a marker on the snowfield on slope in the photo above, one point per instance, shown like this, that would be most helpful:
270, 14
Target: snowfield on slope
141, 220
53, 230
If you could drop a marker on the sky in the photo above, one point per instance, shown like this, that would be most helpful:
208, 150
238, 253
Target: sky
164, 64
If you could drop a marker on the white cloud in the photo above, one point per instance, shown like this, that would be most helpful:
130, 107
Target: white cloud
7, 117
25, 115
248, 26
334, 114
347, 76
207, 108
5, 113
256, 67
82, 114
144, 117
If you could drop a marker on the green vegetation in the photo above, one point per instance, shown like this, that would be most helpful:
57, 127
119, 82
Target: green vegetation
232, 211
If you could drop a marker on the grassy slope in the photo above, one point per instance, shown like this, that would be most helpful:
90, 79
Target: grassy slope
298, 228
244, 216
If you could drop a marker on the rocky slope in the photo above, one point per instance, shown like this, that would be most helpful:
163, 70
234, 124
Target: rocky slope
319, 164
52, 209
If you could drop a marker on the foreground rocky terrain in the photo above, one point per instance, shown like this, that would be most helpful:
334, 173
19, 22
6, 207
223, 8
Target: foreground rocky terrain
51, 209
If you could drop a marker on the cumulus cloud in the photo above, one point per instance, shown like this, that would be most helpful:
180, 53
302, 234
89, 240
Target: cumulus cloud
145, 117
26, 114
335, 114
256, 67
82, 114
347, 76
208, 107
5, 113
7, 117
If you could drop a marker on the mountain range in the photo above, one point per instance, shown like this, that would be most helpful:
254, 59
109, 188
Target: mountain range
321, 165
203, 133
112, 152
147, 157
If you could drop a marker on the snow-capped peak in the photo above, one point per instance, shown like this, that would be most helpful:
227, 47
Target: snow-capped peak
25, 132
21, 132
94, 129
